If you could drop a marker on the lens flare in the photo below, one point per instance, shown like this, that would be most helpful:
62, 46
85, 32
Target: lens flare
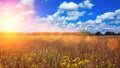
14, 17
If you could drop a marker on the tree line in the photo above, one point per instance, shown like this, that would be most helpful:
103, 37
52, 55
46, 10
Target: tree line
106, 33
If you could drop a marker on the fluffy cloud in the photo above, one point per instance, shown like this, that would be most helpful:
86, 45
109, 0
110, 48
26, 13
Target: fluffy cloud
66, 12
101, 23
58, 22
107, 15
68, 6
73, 6
86, 4
73, 15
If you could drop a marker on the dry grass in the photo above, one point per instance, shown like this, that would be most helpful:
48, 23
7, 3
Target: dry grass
52, 51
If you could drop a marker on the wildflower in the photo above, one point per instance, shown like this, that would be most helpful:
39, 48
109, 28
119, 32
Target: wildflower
87, 61
76, 59
63, 64
81, 62
66, 59
74, 66
68, 65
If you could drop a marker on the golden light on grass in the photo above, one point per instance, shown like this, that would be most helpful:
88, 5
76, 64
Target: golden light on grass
92, 40
112, 44
88, 39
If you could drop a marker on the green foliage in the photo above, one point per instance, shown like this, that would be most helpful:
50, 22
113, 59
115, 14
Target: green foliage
85, 32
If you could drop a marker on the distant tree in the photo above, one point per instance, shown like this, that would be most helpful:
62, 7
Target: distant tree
118, 33
98, 33
85, 32
107, 33
110, 33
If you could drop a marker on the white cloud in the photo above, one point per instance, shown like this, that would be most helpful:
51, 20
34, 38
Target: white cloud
86, 4
56, 14
100, 23
68, 6
27, 2
73, 6
28, 12
117, 11
70, 25
44, 25
79, 23
90, 23
74, 15
107, 15
59, 20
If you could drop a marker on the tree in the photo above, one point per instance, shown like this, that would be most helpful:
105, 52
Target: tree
110, 33
98, 33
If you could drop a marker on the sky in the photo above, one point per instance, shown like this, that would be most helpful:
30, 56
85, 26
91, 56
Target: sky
59, 15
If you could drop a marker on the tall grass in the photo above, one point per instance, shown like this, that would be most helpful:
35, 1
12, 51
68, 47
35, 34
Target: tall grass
39, 52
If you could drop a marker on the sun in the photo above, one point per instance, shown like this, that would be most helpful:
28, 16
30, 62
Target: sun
9, 27
10, 22
15, 17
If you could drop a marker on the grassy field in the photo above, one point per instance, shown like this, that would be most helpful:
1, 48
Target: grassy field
52, 51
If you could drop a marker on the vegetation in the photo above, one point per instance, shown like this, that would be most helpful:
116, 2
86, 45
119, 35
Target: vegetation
59, 51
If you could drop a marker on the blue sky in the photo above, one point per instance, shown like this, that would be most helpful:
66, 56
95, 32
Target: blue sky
95, 15
65, 15
50, 6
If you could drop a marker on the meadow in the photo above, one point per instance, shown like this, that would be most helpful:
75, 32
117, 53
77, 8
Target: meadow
59, 51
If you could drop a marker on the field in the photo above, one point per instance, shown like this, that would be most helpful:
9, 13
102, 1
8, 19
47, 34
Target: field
59, 51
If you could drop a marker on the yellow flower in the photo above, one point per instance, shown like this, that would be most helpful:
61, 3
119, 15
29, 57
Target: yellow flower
65, 57
76, 60
74, 66
81, 62
87, 61
63, 64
